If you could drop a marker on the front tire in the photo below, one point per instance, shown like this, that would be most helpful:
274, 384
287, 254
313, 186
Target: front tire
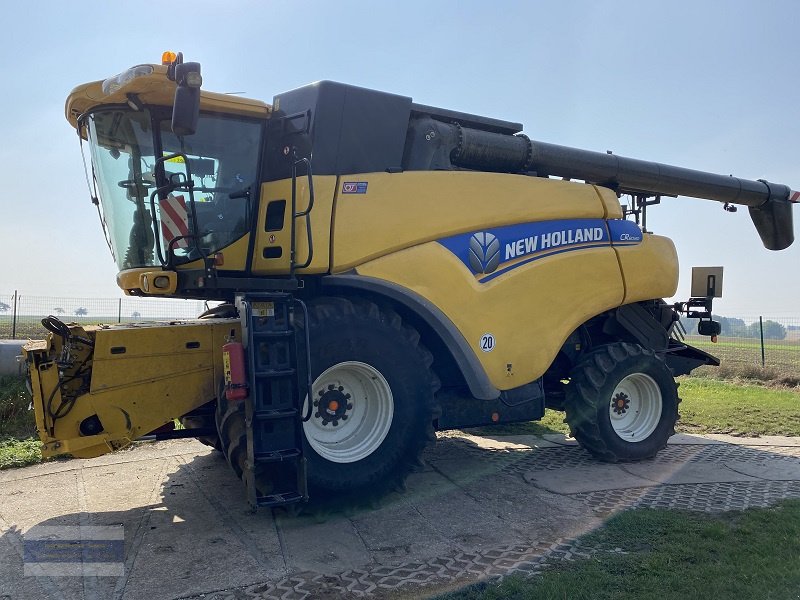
373, 403
372, 399
622, 403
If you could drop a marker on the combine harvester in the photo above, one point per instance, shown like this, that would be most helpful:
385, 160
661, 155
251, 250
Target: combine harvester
386, 269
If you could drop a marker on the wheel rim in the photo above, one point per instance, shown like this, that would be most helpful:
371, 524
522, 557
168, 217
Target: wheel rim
635, 408
352, 412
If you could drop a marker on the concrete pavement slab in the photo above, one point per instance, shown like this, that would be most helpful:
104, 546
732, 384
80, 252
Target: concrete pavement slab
560, 439
692, 439
764, 440
512, 442
327, 547
773, 470
451, 511
138, 452
224, 491
677, 473
585, 479
397, 533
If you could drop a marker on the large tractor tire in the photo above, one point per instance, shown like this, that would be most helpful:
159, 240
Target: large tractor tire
622, 403
232, 432
372, 400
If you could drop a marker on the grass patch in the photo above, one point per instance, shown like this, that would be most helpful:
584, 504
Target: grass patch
15, 418
19, 445
668, 554
19, 453
711, 406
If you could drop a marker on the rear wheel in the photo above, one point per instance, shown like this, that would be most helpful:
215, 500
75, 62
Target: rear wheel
622, 403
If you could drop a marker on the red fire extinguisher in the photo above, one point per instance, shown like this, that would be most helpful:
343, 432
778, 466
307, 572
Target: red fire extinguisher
235, 371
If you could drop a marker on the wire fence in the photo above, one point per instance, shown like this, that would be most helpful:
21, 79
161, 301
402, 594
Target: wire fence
753, 341
21, 315
746, 341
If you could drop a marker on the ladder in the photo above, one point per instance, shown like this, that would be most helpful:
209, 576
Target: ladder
275, 472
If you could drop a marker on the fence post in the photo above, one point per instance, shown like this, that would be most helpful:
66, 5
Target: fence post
14, 318
761, 327
119, 312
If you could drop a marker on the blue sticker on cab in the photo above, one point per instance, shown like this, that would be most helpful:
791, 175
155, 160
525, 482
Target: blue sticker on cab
354, 187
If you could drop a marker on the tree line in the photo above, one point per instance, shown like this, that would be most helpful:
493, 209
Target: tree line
734, 327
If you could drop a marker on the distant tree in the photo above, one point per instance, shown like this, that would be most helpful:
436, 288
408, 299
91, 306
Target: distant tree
81, 312
136, 314
733, 327
772, 330
58, 310
4, 307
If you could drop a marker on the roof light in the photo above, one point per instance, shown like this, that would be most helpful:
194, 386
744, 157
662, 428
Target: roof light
114, 84
168, 57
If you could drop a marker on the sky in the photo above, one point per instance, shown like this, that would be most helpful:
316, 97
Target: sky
706, 85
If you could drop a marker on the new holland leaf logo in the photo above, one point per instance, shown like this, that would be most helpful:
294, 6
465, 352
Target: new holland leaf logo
484, 252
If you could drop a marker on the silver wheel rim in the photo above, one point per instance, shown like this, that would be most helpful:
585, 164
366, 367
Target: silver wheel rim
635, 407
352, 412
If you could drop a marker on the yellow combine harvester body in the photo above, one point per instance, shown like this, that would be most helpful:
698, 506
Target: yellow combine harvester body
387, 268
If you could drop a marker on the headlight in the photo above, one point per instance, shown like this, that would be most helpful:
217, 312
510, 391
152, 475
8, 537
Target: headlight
114, 84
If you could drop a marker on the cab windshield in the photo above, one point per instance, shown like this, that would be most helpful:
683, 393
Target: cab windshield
147, 212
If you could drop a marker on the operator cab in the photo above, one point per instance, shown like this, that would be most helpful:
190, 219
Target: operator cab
142, 174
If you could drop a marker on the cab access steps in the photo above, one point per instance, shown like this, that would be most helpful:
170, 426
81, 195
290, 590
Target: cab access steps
275, 473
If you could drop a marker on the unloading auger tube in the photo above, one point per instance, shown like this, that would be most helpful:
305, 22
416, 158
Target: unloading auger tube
769, 204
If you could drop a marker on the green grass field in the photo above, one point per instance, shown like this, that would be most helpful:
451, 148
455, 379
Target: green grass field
711, 406
19, 445
741, 357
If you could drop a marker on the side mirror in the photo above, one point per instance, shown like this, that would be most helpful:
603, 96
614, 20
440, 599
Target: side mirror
186, 107
710, 328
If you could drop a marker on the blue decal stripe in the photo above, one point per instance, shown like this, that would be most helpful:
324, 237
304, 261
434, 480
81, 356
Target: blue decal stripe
492, 252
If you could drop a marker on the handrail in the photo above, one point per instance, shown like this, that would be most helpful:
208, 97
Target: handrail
302, 214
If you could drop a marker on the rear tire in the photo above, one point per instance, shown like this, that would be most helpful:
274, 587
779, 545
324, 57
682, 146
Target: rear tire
622, 403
